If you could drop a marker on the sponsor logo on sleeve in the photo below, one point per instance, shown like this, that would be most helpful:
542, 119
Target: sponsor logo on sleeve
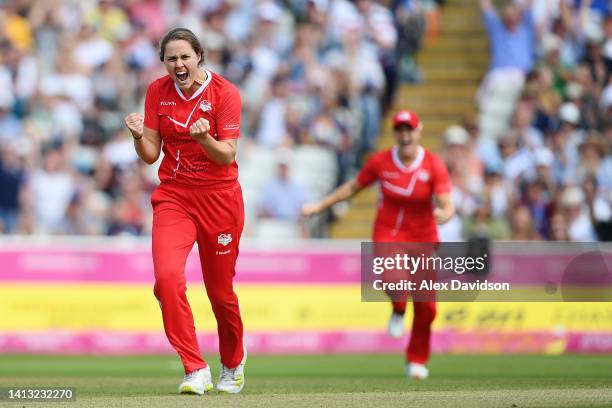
233, 126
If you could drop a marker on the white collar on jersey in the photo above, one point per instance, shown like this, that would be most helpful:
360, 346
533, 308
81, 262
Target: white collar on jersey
200, 89
415, 163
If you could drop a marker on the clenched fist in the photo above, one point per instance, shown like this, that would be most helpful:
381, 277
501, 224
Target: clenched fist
135, 123
199, 130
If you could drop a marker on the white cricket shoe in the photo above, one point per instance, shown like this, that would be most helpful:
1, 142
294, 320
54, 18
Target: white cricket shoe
197, 382
231, 380
417, 371
395, 327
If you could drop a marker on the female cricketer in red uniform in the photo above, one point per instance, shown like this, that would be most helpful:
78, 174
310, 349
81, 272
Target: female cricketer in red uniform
409, 178
196, 114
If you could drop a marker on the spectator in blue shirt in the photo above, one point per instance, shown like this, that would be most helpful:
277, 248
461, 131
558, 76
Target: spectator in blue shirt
512, 37
283, 198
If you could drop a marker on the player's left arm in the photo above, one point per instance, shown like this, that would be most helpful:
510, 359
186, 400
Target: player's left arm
220, 151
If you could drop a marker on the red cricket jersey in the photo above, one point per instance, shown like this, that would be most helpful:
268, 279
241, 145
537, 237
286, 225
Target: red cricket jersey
405, 208
169, 112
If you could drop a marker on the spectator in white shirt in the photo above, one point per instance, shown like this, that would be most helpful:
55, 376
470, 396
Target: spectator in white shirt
51, 191
580, 225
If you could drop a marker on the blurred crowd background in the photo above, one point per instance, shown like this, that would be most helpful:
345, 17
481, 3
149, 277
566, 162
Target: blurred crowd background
536, 163
317, 77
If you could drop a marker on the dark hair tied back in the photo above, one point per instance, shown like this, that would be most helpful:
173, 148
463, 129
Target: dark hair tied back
181, 34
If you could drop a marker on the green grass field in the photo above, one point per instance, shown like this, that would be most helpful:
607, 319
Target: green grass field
324, 381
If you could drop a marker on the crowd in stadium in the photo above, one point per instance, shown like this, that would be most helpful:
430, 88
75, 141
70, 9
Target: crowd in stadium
548, 175
311, 72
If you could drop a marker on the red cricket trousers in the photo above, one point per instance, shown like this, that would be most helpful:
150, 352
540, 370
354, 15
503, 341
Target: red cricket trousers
183, 215
418, 349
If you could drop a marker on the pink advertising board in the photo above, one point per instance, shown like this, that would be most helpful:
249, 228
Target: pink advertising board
331, 264
447, 341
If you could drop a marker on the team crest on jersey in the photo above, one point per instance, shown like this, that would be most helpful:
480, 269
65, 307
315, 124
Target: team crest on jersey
424, 175
224, 239
205, 106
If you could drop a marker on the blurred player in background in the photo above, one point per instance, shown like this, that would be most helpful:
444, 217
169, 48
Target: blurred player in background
410, 178
197, 116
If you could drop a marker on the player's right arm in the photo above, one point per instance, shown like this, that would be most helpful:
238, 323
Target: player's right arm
147, 142
145, 130
344, 192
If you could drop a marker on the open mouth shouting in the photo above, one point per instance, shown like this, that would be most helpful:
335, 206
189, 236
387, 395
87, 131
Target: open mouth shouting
182, 76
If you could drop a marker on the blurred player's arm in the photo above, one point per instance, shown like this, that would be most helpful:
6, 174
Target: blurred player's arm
584, 18
147, 142
220, 151
526, 6
444, 209
486, 6
344, 192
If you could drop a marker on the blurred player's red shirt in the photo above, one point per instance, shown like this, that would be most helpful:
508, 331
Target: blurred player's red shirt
405, 208
168, 111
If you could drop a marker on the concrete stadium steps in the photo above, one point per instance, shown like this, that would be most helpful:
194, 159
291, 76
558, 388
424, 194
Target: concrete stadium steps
453, 64
437, 91
367, 197
428, 109
459, 58
451, 74
455, 41
352, 230
360, 212
462, 26
461, 9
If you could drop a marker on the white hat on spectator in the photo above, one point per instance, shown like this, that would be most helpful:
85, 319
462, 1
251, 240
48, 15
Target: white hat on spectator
21, 145
543, 157
213, 41
569, 112
269, 11
594, 32
574, 90
456, 135
551, 43
572, 197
